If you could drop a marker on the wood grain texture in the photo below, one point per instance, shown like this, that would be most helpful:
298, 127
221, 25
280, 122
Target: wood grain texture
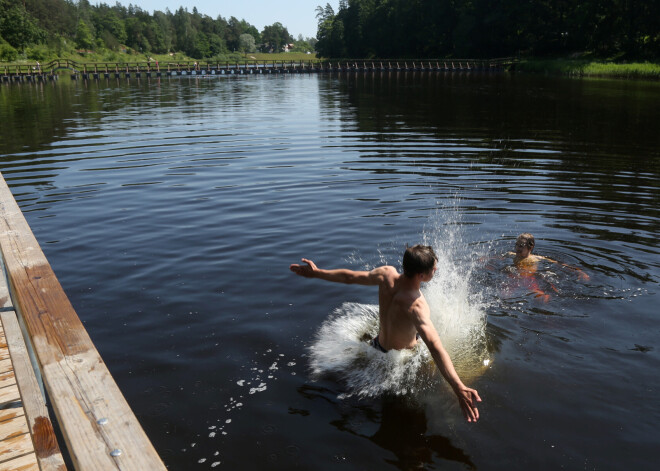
22, 463
15, 439
9, 396
8, 414
14, 427
5, 365
36, 413
78, 383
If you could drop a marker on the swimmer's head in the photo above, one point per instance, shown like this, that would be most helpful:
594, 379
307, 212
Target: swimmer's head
525, 241
418, 259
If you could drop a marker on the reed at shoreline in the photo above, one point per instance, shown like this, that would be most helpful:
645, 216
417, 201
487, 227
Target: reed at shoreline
587, 68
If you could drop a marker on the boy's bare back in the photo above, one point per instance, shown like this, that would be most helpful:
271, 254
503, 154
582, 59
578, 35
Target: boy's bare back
397, 302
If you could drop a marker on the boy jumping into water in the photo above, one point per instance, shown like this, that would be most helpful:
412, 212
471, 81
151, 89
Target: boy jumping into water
403, 312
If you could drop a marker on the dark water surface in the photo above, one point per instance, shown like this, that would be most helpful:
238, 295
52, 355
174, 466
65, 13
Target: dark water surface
170, 211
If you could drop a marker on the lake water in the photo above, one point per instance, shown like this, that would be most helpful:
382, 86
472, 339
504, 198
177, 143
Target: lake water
171, 209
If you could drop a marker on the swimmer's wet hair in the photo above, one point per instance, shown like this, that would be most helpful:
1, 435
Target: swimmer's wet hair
528, 238
418, 259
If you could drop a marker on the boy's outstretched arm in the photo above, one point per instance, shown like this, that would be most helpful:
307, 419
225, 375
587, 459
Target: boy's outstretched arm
467, 397
339, 275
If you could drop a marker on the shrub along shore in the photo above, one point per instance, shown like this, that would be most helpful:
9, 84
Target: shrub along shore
591, 68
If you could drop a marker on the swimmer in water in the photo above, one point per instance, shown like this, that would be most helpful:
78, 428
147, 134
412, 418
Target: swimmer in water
404, 315
526, 262
523, 256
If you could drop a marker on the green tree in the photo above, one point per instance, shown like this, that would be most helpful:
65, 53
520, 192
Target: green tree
167, 31
246, 43
18, 27
184, 31
276, 36
7, 53
216, 45
111, 23
201, 46
325, 18
84, 38
55, 17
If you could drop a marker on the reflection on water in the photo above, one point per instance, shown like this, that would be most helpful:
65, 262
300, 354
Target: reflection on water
403, 430
171, 209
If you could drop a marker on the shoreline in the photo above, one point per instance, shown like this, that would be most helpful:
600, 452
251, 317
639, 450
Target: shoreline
591, 68
560, 67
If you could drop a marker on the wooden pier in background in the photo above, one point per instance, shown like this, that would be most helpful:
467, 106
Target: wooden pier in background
50, 71
46, 355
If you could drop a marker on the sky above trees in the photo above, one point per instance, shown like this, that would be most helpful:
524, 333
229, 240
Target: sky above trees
298, 16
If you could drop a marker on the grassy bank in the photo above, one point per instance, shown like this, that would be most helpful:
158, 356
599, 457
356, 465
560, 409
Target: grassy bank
590, 68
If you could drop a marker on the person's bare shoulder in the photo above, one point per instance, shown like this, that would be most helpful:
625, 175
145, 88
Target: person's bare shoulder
385, 271
547, 259
412, 301
421, 305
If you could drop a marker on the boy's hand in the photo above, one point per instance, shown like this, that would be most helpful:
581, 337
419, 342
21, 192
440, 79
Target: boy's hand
468, 398
304, 270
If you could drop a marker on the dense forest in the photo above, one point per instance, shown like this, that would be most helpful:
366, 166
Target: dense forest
624, 29
613, 29
38, 28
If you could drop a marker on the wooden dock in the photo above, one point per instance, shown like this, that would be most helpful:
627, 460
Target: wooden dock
46, 355
37, 72
22, 407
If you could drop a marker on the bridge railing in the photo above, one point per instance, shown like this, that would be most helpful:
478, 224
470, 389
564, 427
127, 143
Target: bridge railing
55, 65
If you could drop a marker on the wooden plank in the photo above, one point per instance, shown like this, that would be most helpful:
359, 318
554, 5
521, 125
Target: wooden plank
5, 298
4, 351
7, 379
12, 428
16, 446
9, 395
5, 365
22, 463
38, 420
8, 414
78, 382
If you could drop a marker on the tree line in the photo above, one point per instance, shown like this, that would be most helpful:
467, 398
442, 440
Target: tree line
624, 29
36, 27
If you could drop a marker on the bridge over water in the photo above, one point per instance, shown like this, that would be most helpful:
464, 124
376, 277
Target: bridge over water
52, 70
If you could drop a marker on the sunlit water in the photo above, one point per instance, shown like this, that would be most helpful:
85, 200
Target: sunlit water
171, 209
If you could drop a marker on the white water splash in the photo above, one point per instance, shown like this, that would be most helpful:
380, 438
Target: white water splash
342, 348
458, 308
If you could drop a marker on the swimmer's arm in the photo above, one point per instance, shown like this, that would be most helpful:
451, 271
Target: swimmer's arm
342, 275
581, 274
486, 259
467, 397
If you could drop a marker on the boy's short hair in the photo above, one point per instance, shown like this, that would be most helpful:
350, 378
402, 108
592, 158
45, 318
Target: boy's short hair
527, 238
418, 259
